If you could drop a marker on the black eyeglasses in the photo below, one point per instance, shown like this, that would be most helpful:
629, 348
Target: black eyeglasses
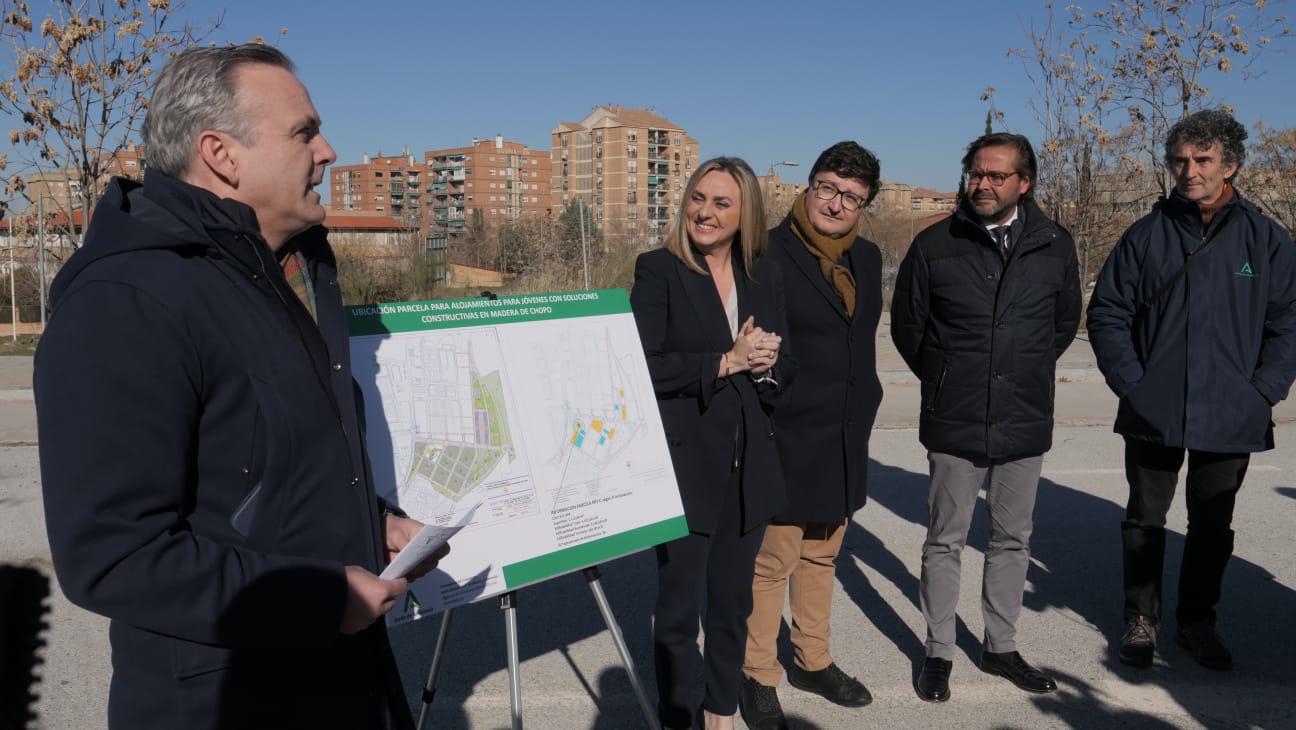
973, 177
828, 191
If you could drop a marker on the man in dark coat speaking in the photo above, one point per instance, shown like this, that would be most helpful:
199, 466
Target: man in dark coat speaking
1193, 320
831, 281
985, 303
205, 480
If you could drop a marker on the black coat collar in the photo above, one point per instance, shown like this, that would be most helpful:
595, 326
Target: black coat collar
702, 294
1036, 230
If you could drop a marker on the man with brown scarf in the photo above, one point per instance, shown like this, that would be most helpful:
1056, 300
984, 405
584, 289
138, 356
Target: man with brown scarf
832, 284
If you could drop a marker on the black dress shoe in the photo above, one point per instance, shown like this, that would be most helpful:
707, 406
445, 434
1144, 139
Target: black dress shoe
759, 706
1200, 639
1138, 644
1013, 668
933, 680
832, 684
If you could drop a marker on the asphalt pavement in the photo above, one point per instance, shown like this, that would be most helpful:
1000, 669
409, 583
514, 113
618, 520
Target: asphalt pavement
571, 677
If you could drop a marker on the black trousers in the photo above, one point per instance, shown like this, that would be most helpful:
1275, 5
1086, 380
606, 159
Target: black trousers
707, 578
1212, 486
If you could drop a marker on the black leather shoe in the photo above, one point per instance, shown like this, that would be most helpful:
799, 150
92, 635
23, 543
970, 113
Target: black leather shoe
760, 706
1013, 668
1138, 644
832, 684
1200, 639
933, 680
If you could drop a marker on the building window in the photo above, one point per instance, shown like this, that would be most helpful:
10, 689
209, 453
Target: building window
632, 181
378, 186
632, 166
632, 135
378, 197
378, 173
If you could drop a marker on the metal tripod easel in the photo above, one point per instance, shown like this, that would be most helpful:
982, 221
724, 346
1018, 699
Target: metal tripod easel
508, 604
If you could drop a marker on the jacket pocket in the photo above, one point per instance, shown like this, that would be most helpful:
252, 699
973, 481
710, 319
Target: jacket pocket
190, 659
931, 393
245, 514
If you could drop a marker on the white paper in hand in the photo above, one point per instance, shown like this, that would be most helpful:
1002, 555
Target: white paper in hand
427, 541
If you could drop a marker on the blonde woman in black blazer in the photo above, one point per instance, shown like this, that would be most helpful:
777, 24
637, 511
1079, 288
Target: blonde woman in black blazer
711, 318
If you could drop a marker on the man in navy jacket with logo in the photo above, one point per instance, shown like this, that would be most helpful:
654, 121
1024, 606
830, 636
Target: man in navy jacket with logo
1193, 320
203, 465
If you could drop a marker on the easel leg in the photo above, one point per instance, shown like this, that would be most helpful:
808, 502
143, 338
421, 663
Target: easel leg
592, 577
429, 690
508, 603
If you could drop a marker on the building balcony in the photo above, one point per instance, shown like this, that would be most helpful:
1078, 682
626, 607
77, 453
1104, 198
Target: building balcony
439, 187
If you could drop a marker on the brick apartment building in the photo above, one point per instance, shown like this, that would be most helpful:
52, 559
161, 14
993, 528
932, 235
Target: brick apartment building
486, 183
902, 197
389, 184
628, 165
60, 190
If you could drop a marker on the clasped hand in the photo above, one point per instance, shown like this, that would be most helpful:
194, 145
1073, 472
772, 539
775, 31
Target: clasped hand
754, 350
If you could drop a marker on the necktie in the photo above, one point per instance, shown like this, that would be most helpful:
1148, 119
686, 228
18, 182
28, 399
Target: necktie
1000, 236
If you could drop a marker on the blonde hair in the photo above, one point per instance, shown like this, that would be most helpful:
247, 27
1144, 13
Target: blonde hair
751, 236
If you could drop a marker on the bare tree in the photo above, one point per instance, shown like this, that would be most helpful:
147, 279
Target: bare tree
1270, 175
79, 88
1090, 179
1154, 58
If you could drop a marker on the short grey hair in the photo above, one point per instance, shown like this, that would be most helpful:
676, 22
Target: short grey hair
195, 92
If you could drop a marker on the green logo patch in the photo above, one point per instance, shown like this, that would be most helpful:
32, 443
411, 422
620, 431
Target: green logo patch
1245, 271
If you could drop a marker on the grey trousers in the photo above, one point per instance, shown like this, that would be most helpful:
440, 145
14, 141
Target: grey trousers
1010, 494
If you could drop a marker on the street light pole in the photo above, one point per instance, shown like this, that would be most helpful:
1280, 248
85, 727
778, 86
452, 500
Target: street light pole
13, 289
784, 163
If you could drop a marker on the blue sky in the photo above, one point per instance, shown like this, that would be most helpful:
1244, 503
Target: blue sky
762, 80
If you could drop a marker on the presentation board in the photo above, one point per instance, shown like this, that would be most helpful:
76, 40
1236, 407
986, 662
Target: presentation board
538, 408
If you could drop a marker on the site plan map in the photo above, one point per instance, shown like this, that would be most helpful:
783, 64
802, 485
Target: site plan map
536, 409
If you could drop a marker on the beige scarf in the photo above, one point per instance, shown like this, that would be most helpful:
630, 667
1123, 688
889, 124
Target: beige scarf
828, 251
